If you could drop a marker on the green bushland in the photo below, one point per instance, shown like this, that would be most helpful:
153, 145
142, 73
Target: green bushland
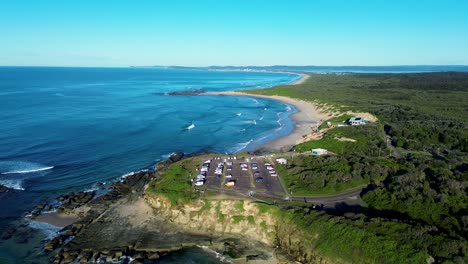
422, 111
175, 184
360, 239
369, 140
326, 175
335, 120
423, 179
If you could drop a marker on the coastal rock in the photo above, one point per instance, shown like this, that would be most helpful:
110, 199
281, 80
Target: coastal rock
4, 189
177, 156
73, 200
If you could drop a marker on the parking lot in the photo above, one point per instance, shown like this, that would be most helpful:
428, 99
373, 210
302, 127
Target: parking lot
241, 174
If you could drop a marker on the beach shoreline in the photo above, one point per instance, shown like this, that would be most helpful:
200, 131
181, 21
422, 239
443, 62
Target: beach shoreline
307, 118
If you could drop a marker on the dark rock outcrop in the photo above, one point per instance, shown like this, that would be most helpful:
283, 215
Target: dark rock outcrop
177, 156
4, 189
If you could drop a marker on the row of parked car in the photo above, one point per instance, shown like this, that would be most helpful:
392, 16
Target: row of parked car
201, 177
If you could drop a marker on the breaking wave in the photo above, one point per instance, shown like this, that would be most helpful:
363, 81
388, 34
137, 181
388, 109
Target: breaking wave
28, 171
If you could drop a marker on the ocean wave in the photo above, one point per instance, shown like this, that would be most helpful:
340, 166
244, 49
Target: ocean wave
253, 122
166, 156
28, 171
49, 230
134, 172
255, 101
241, 146
13, 184
218, 255
20, 167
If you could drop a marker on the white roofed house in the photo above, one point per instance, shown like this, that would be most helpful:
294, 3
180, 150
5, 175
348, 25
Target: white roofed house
357, 120
319, 152
282, 161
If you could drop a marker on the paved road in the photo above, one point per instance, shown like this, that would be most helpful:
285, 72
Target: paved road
349, 197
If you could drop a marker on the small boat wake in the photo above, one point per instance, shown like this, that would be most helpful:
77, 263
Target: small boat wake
190, 127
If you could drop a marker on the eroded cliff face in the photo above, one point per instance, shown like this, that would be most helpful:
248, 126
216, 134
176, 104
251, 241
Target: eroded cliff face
241, 218
218, 217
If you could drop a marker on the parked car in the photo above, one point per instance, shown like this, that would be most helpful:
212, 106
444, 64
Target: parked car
259, 179
199, 183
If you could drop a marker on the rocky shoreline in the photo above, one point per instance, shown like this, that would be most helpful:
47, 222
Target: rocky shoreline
121, 226
5, 189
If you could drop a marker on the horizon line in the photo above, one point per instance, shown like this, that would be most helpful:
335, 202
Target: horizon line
237, 66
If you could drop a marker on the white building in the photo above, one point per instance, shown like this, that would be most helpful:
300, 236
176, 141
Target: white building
282, 161
357, 120
319, 152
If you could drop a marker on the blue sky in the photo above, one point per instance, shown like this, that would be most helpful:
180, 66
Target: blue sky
228, 32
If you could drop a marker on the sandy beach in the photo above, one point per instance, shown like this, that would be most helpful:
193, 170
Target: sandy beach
303, 78
307, 118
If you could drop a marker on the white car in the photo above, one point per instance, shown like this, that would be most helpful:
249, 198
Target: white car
229, 176
272, 172
199, 183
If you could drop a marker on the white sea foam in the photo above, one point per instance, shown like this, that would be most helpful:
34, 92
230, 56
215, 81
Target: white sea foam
166, 156
28, 171
133, 173
128, 174
12, 184
238, 114
218, 255
49, 230
255, 101
241, 146
253, 122
92, 189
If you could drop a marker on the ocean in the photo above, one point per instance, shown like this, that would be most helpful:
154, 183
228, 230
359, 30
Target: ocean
65, 129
